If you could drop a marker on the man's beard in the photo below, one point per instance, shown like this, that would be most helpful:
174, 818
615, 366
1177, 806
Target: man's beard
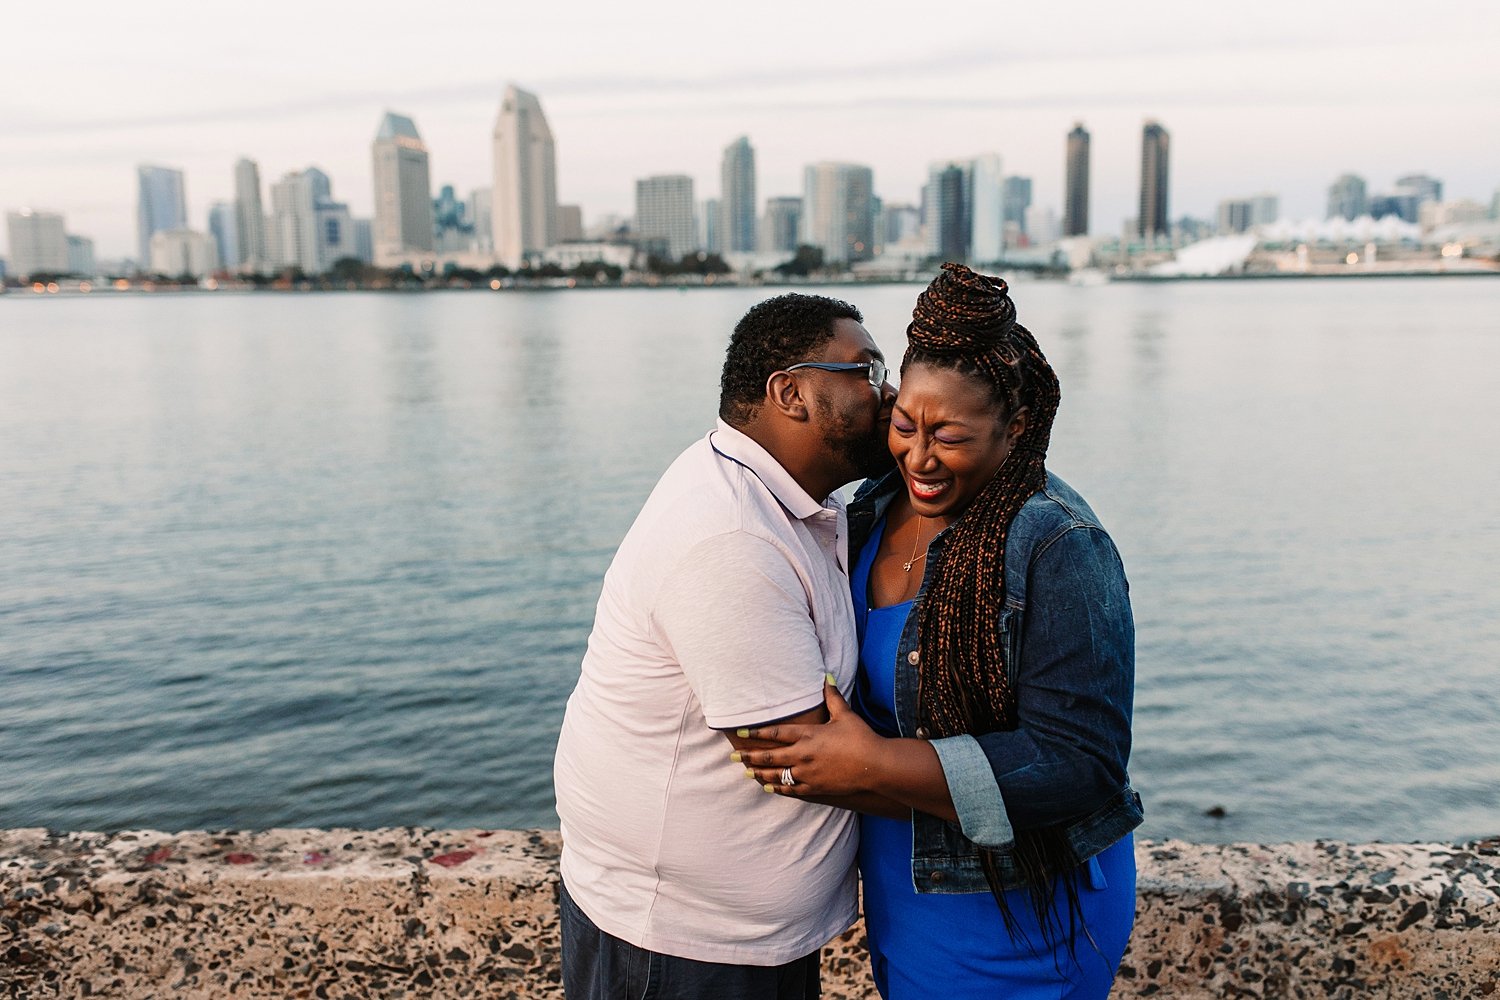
864, 454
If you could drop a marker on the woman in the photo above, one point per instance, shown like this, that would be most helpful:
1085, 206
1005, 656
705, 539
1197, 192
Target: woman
996, 675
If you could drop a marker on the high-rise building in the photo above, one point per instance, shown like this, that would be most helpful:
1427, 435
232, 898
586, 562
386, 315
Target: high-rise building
569, 223
710, 226
81, 256
38, 243
838, 210
362, 240
161, 205
987, 191
1402, 204
664, 214
1042, 226
1234, 215
950, 220
177, 253
223, 226
403, 191
1076, 205
1421, 186
1152, 222
308, 229
736, 230
452, 223
901, 225
249, 217
1346, 197
1264, 209
480, 203
1017, 201
780, 225
524, 207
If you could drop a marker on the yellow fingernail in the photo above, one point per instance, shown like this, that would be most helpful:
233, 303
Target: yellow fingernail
735, 757
832, 679
749, 773
770, 788
743, 734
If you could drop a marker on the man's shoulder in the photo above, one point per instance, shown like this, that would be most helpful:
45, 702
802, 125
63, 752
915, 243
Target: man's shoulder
703, 495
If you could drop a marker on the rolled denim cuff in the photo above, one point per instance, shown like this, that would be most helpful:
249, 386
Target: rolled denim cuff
976, 795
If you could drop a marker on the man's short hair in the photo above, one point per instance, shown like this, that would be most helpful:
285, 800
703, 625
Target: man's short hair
772, 335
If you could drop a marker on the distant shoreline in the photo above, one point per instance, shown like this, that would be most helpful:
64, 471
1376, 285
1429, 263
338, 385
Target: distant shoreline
72, 290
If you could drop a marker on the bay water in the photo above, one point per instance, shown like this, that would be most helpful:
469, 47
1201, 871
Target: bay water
331, 559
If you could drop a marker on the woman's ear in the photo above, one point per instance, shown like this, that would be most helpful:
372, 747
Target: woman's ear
785, 396
1016, 426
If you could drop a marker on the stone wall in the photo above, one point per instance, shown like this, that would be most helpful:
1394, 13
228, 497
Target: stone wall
424, 913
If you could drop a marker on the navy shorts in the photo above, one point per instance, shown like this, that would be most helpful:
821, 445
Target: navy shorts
599, 966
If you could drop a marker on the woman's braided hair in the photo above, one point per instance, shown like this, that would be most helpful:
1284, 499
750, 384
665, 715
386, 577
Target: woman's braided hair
967, 322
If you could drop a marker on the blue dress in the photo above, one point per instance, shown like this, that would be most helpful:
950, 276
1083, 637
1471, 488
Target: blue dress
946, 946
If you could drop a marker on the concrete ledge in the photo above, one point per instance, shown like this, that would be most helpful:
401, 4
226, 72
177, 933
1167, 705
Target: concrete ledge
452, 913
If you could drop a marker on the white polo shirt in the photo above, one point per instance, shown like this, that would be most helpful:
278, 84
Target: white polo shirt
724, 607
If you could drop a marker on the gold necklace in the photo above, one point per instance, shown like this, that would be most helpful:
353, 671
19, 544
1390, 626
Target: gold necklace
906, 566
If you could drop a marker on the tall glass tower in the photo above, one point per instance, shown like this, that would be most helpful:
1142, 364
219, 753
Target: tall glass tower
1152, 220
523, 207
737, 197
1076, 206
161, 205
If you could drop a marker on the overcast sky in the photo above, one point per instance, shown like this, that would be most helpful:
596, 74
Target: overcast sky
1276, 96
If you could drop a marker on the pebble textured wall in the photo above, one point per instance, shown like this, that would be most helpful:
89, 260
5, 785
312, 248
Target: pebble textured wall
456, 913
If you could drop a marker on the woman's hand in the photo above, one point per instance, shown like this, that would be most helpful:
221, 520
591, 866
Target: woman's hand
838, 757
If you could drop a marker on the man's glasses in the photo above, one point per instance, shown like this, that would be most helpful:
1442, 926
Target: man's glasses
875, 371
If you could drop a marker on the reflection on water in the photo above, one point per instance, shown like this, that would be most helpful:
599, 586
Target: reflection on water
332, 559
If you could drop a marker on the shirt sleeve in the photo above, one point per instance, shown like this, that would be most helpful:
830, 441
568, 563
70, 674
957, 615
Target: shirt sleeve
738, 619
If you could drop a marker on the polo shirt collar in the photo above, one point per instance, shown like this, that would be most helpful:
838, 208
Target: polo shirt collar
740, 447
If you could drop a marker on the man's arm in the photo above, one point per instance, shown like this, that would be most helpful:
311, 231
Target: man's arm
736, 617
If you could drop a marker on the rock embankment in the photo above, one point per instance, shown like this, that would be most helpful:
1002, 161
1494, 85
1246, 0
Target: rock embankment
458, 913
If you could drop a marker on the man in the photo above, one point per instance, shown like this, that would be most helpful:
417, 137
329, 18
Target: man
726, 606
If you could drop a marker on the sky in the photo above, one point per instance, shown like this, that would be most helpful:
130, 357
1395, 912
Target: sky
1277, 96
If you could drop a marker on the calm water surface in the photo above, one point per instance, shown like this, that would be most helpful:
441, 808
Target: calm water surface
280, 560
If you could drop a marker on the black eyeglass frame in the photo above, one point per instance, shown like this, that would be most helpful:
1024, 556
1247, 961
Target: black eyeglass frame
875, 371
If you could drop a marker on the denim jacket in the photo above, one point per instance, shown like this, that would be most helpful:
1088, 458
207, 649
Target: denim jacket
1070, 658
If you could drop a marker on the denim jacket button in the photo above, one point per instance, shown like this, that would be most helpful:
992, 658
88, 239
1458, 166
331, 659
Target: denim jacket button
914, 657
922, 733
936, 877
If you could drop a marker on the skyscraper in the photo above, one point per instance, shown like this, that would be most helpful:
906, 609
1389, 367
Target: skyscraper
838, 210
250, 217
710, 226
309, 230
1346, 197
1076, 207
949, 216
664, 214
524, 205
987, 197
736, 231
1423, 187
38, 243
1152, 222
161, 205
780, 225
403, 191
1017, 201
223, 226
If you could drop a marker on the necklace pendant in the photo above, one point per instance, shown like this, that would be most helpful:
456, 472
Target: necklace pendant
906, 566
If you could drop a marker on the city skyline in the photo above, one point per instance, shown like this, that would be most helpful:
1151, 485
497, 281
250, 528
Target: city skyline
1282, 100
